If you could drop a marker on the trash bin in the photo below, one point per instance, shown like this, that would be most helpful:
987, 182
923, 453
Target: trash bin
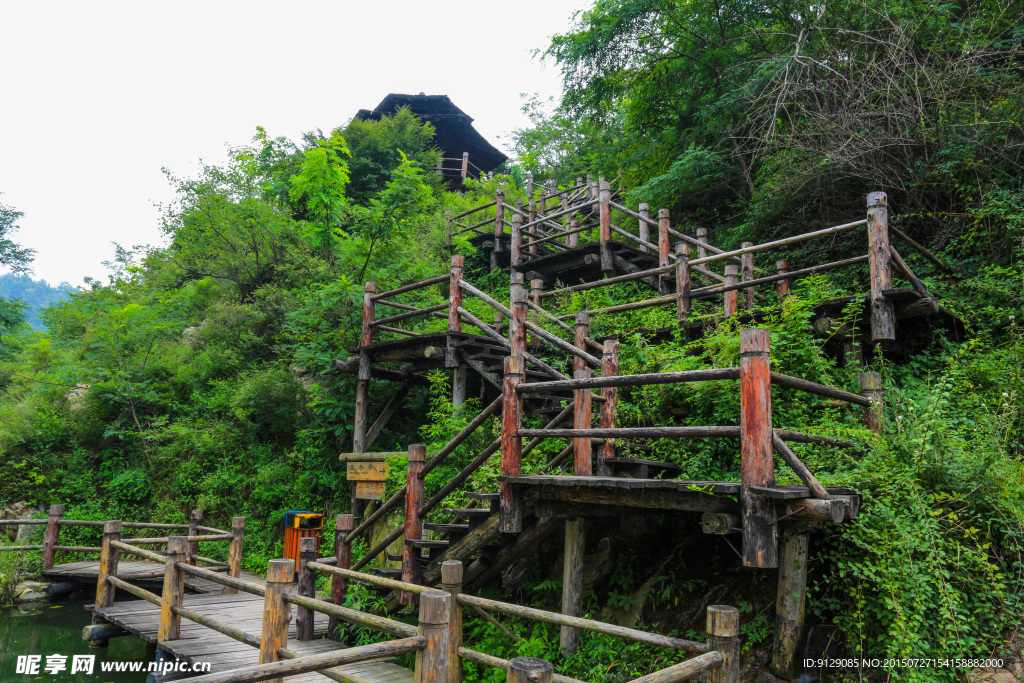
300, 524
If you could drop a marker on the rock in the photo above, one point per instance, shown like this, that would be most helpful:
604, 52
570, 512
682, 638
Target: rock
992, 675
76, 397
29, 591
1015, 666
62, 587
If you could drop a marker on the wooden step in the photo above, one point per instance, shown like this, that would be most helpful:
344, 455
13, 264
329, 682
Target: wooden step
393, 558
447, 528
637, 468
427, 543
469, 513
489, 497
387, 572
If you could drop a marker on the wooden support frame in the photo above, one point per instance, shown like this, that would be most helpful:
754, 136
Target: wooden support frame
413, 527
195, 520
305, 586
731, 297
431, 661
609, 408
572, 582
684, 284
871, 389
455, 293
517, 322
790, 605
582, 410
451, 583
883, 313
394, 403
511, 514
757, 467
276, 612
605, 213
644, 225
235, 551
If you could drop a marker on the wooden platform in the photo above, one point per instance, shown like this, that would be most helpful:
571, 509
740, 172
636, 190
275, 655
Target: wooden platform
88, 572
245, 612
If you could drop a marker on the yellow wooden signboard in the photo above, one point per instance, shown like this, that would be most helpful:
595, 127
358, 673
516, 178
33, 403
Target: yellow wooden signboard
370, 490
367, 471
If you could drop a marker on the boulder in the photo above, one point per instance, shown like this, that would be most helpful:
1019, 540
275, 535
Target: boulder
30, 591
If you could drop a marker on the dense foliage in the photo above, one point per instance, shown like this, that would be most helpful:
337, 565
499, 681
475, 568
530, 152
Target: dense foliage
35, 294
198, 374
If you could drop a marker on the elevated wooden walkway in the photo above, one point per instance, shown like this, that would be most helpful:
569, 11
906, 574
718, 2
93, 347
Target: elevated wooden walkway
137, 572
243, 611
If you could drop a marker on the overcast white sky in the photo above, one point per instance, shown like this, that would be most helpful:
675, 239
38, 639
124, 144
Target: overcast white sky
96, 97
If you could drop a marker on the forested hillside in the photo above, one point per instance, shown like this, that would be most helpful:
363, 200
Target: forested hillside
198, 374
36, 294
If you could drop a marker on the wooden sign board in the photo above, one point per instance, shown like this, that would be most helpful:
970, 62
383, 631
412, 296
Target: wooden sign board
367, 471
370, 490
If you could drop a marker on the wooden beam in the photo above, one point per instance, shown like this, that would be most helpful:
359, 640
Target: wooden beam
385, 416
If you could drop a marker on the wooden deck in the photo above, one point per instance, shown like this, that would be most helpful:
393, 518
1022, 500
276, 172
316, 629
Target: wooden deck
245, 612
88, 572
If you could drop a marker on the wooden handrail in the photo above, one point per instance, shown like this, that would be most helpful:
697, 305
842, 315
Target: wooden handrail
409, 314
229, 581
391, 502
558, 214
395, 628
134, 590
819, 389
585, 624
472, 211
132, 550
705, 375
635, 432
456, 441
165, 539
368, 578
410, 287
499, 663
684, 671
779, 243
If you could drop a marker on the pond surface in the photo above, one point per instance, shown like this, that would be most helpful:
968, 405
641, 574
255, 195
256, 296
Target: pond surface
54, 627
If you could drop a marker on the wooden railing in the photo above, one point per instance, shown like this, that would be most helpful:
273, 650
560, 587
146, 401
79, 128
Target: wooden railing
55, 520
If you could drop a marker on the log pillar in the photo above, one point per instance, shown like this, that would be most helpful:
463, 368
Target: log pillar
702, 237
51, 538
306, 587
499, 226
531, 247
276, 612
572, 582
235, 551
746, 274
529, 670
465, 165
432, 660
781, 286
109, 556
413, 524
343, 524
723, 636
605, 204
644, 227
173, 590
790, 605
510, 519
581, 446
610, 406
195, 518
684, 283
516, 239
517, 324
573, 240
455, 293
757, 466
871, 389
536, 289
732, 297
451, 583
883, 314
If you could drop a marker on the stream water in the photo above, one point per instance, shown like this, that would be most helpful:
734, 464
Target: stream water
54, 627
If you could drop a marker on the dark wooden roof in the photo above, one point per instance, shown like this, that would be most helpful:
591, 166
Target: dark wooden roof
454, 132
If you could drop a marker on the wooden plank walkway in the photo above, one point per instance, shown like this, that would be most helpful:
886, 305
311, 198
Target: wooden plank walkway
245, 612
88, 572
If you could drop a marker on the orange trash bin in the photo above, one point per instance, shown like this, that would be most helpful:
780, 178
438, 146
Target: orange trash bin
300, 524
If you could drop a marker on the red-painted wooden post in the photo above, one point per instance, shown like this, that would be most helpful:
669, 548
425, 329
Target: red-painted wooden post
781, 286
610, 406
605, 205
757, 467
517, 324
581, 446
465, 165
883, 314
235, 551
455, 294
51, 537
413, 525
499, 226
510, 520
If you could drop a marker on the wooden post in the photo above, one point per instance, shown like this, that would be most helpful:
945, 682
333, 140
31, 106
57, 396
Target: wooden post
565, 218
173, 591
790, 605
871, 389
536, 289
731, 298
511, 514
781, 286
363, 378
51, 538
883, 314
723, 636
581, 447
516, 253
591, 187
572, 582
499, 318
605, 197
276, 612
108, 567
663, 248
702, 237
747, 274
455, 293
644, 226
529, 670
517, 324
499, 226
369, 311
432, 661
757, 467
609, 368
413, 525
343, 524
684, 304
465, 165
573, 240
459, 379
109, 556
451, 583
235, 551
306, 587
531, 247
529, 185
194, 520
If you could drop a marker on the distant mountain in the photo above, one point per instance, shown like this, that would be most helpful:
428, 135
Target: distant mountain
38, 294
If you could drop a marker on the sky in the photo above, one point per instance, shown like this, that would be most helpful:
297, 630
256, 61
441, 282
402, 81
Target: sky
97, 97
